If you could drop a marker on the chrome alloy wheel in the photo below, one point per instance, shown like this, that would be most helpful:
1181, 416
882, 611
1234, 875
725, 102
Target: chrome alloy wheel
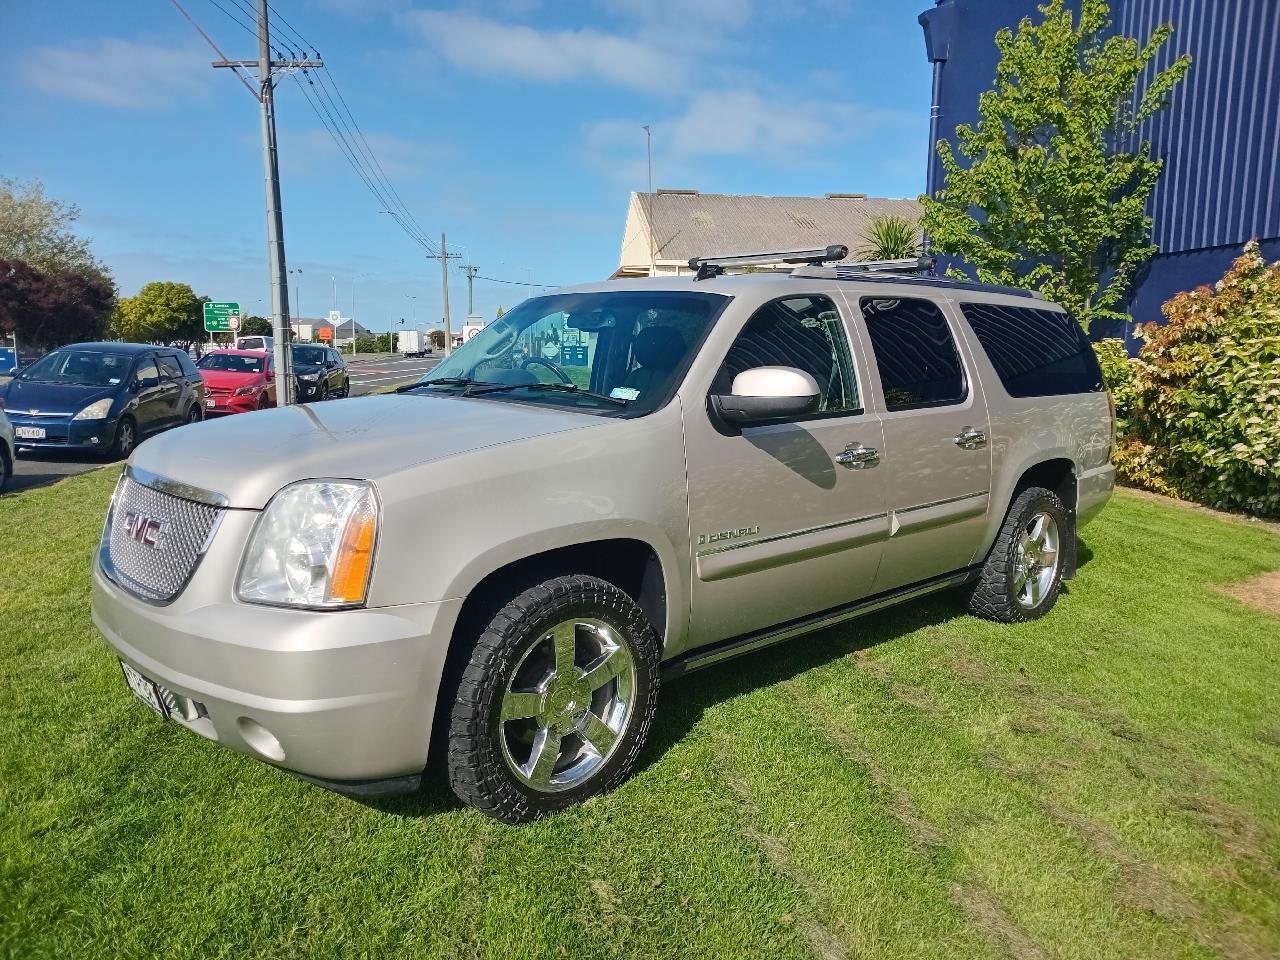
567, 705
1035, 560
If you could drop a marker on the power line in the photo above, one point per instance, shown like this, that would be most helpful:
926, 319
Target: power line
236, 17
518, 283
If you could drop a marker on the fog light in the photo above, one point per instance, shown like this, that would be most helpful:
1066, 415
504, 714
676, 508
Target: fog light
93, 439
260, 739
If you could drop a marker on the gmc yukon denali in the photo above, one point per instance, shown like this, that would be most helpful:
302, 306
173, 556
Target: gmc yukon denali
611, 484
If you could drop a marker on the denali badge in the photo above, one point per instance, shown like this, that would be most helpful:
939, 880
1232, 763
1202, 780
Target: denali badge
727, 534
144, 529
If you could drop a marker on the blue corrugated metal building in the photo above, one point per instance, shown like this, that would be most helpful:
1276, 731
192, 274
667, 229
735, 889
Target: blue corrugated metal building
1220, 137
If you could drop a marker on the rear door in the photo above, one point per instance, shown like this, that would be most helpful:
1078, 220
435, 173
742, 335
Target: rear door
936, 459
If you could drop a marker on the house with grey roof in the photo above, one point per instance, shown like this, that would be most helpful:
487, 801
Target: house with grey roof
665, 228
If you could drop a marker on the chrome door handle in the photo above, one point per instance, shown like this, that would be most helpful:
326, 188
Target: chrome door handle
970, 438
858, 457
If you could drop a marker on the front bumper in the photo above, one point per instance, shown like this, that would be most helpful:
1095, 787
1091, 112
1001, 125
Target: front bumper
310, 389
344, 698
63, 433
228, 403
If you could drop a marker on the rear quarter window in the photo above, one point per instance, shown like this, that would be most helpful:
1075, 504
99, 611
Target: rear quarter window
1036, 353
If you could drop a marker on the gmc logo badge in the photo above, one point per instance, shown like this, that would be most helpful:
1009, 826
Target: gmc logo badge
142, 528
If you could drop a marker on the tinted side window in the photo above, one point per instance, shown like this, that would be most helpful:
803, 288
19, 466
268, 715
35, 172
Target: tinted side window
915, 353
188, 366
169, 366
802, 332
1037, 353
147, 369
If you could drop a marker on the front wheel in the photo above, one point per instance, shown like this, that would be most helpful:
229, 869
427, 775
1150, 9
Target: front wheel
1022, 575
555, 702
126, 439
195, 414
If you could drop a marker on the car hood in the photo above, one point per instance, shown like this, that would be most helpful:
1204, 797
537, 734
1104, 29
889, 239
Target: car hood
248, 458
229, 378
52, 397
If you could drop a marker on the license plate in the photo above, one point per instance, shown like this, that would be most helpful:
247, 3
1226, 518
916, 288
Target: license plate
29, 433
144, 689
211, 403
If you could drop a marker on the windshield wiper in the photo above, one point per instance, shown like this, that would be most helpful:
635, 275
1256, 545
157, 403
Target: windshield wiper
441, 381
552, 387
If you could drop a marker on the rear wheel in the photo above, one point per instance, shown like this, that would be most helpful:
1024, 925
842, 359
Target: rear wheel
1022, 575
555, 702
6, 467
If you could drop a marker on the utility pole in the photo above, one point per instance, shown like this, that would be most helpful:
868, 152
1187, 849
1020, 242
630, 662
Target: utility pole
648, 153
285, 391
471, 270
444, 256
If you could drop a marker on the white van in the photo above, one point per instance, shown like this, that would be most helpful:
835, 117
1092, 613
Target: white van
255, 343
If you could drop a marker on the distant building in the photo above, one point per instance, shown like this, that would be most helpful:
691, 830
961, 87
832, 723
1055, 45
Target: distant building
1220, 137
307, 330
665, 229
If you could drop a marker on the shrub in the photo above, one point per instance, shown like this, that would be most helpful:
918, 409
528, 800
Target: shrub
1204, 420
1118, 371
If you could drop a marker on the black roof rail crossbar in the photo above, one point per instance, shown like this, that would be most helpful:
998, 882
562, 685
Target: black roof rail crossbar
706, 267
841, 272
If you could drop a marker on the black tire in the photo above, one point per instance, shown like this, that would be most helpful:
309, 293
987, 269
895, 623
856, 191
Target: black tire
6, 467
996, 594
263, 402
194, 414
478, 769
126, 439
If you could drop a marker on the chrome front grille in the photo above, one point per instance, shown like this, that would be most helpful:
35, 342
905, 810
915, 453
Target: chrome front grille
154, 540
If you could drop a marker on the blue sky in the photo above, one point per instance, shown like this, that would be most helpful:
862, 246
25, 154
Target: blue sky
512, 124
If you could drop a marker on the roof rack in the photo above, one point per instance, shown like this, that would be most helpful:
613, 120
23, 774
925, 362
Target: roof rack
706, 267
859, 271
903, 265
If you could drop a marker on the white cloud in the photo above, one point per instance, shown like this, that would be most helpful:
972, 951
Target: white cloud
739, 123
119, 73
484, 45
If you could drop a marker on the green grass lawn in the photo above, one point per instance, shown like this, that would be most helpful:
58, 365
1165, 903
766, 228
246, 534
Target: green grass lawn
1102, 783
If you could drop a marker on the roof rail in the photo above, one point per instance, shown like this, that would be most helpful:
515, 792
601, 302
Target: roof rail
706, 267
902, 265
849, 271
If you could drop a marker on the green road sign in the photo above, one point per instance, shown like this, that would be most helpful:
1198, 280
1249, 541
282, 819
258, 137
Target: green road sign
222, 317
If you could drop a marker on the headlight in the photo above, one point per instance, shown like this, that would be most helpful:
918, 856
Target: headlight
313, 546
95, 411
308, 376
245, 391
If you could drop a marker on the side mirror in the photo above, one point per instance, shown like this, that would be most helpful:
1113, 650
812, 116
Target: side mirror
14, 371
767, 394
271, 375
145, 383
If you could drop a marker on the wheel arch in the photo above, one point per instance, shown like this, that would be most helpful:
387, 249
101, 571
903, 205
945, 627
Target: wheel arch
1054, 471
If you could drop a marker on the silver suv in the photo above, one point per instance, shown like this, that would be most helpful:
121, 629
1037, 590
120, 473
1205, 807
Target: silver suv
612, 483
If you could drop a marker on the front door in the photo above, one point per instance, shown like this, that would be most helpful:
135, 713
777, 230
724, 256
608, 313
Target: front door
783, 521
936, 462
154, 396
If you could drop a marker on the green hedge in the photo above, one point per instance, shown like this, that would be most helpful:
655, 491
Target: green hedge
1199, 409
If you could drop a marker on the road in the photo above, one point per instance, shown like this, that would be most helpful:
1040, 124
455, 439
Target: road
36, 469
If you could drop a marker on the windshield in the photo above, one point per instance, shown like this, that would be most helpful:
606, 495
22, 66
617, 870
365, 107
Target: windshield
309, 356
630, 346
82, 368
231, 362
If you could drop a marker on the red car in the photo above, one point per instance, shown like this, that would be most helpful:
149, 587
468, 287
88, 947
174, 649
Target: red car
237, 381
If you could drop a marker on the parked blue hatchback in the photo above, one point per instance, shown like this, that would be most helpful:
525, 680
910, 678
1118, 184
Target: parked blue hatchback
102, 397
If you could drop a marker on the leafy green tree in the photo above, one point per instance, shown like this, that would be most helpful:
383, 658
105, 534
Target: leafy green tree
437, 337
255, 326
890, 238
162, 312
1048, 191
37, 229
